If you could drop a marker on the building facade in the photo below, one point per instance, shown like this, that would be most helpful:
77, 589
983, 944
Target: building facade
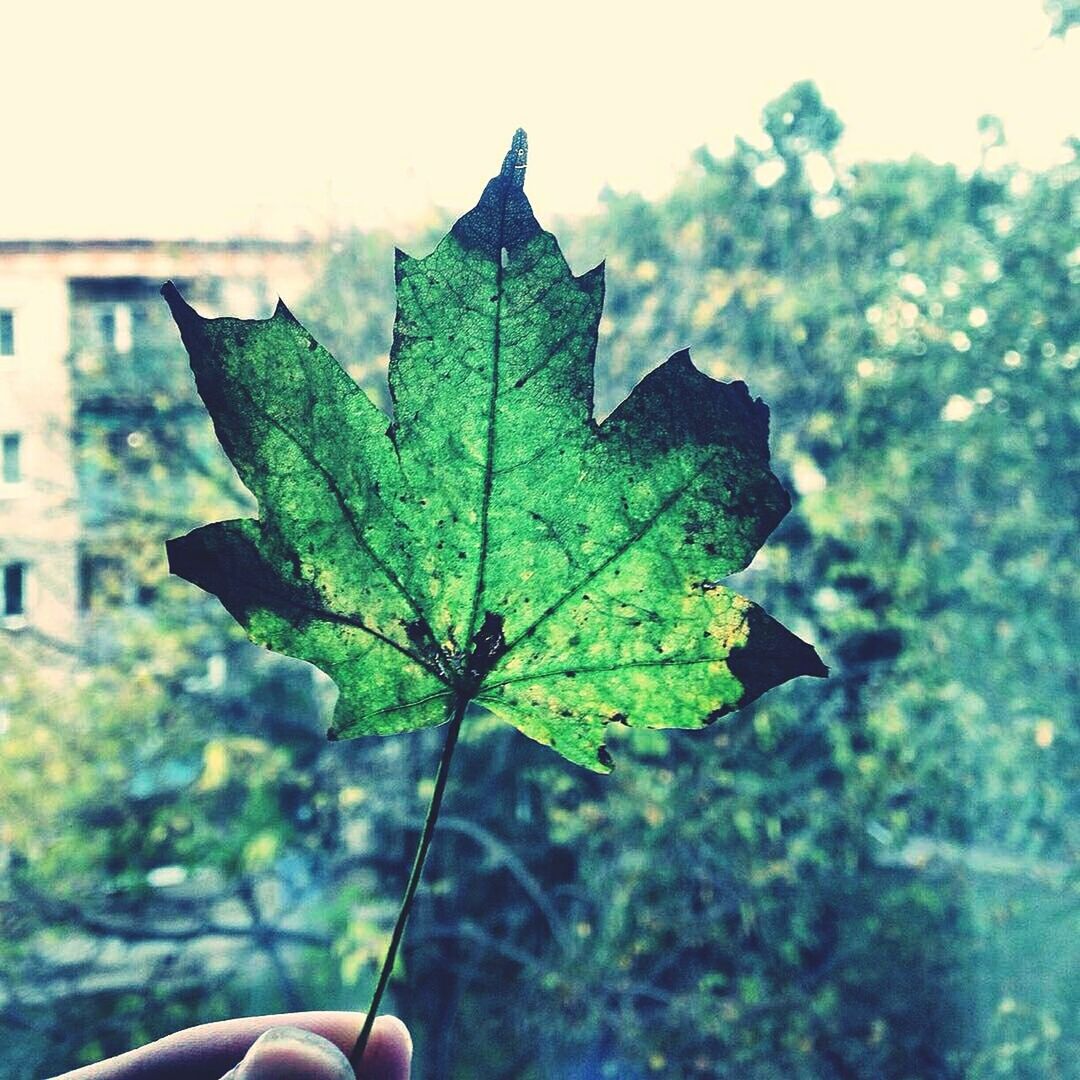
84, 341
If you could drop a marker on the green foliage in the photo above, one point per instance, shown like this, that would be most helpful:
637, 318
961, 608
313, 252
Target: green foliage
866, 877
1064, 15
493, 544
798, 123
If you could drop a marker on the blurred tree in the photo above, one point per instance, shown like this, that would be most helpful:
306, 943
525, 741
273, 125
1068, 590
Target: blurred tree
162, 813
1064, 15
867, 878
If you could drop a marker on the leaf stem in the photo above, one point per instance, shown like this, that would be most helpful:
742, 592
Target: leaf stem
458, 714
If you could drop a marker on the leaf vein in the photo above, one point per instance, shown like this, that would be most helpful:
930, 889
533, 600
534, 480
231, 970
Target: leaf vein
619, 552
339, 497
603, 669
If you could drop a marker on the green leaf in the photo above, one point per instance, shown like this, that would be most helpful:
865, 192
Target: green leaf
493, 542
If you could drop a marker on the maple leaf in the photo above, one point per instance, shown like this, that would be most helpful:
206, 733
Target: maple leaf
492, 543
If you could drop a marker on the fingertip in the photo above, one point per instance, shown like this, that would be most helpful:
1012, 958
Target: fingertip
388, 1054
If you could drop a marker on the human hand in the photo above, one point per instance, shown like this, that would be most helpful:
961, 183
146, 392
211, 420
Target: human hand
308, 1045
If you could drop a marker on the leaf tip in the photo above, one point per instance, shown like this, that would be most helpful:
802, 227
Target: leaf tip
593, 280
173, 553
772, 655
184, 315
282, 312
403, 263
188, 556
517, 159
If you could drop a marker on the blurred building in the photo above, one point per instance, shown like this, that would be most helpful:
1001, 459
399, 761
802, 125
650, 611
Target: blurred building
82, 334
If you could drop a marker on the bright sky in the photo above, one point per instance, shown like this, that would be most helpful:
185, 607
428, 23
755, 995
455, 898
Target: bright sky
215, 118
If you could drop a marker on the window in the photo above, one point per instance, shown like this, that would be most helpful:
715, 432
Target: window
100, 581
122, 324
107, 328
114, 325
14, 589
107, 581
11, 458
7, 333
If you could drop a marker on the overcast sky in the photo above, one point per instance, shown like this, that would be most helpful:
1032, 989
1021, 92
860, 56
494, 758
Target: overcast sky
212, 118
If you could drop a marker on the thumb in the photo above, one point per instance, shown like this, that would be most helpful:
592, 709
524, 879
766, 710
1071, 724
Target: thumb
283, 1053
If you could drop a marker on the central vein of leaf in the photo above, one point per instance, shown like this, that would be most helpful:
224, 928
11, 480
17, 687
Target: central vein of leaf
493, 397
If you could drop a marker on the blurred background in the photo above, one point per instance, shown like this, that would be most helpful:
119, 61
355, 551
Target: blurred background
870, 214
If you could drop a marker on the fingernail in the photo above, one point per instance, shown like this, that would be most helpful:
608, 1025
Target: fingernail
285, 1053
